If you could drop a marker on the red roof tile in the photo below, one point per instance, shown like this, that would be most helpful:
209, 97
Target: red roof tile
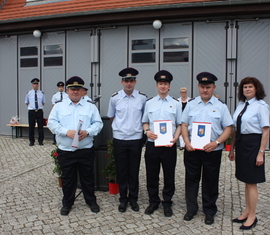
16, 9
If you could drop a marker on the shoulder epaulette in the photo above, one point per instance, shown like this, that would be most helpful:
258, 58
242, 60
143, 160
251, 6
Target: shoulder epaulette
191, 99
262, 102
114, 94
141, 93
42, 92
149, 99
221, 101
175, 99
90, 101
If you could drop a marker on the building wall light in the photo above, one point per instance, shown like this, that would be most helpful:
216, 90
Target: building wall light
157, 24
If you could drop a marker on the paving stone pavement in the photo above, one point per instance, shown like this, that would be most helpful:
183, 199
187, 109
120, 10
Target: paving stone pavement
30, 200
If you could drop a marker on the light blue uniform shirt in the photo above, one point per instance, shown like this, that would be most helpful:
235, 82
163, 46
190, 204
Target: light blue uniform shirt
157, 109
30, 99
57, 97
65, 116
214, 111
127, 113
254, 118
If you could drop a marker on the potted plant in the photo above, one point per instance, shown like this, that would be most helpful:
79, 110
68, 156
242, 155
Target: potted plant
110, 169
228, 143
57, 168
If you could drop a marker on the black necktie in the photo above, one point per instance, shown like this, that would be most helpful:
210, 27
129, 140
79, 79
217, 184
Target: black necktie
36, 100
238, 122
61, 96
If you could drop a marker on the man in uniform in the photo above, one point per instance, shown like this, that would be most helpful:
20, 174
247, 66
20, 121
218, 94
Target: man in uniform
84, 94
161, 107
125, 111
64, 120
60, 95
35, 100
204, 108
57, 97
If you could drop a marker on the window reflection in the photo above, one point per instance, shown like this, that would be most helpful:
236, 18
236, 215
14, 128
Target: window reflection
143, 44
175, 43
53, 49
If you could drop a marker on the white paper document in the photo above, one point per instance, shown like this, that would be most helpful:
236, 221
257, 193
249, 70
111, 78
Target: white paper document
201, 134
75, 141
163, 129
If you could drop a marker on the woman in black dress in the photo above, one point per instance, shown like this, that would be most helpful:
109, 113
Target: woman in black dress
250, 138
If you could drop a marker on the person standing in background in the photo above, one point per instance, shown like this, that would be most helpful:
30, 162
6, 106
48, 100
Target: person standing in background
60, 94
35, 100
58, 97
84, 94
125, 111
183, 99
251, 119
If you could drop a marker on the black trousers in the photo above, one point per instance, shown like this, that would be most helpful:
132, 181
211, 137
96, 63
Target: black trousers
206, 165
155, 157
81, 160
34, 116
127, 154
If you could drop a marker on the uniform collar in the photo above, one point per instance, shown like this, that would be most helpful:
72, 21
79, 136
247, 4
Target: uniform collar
251, 100
165, 99
123, 94
71, 103
211, 101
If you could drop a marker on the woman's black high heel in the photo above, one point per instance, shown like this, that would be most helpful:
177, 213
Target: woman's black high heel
251, 226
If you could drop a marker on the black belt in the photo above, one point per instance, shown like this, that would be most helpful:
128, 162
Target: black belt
35, 110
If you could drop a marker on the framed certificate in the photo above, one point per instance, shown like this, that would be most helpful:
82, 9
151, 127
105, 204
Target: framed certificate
163, 129
201, 134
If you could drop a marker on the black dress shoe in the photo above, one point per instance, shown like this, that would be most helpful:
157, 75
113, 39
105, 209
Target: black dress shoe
188, 216
54, 143
240, 221
31, 144
40, 143
209, 219
122, 207
168, 211
150, 209
65, 210
243, 227
94, 207
134, 206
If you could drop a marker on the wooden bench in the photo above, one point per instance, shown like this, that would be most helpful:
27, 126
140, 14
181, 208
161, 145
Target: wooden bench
17, 129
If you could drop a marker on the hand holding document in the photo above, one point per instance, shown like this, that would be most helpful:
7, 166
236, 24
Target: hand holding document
201, 134
75, 141
163, 129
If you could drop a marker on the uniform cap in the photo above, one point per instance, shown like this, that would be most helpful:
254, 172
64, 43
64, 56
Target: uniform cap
128, 73
60, 84
74, 82
86, 89
35, 81
206, 78
163, 76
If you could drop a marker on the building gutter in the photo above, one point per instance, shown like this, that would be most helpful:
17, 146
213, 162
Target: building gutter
144, 8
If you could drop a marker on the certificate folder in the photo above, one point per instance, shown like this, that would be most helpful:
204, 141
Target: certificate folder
163, 128
201, 134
